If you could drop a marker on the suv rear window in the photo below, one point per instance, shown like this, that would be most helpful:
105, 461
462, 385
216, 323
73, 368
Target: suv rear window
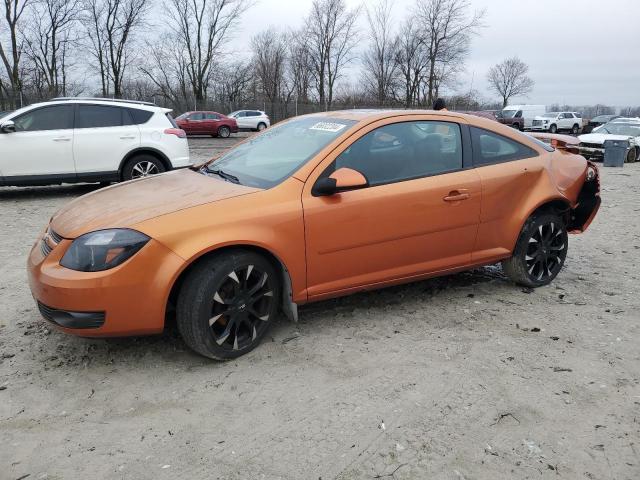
172, 121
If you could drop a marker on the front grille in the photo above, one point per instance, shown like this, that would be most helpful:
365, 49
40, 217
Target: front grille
54, 236
50, 240
591, 145
68, 319
537, 122
45, 248
46, 312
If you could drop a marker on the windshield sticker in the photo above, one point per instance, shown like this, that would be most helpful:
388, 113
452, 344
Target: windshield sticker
328, 127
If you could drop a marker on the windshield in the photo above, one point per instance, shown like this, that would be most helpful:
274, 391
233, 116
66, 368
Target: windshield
550, 115
507, 113
233, 114
621, 129
267, 159
182, 117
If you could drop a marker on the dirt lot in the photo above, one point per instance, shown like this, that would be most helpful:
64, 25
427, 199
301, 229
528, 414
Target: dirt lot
461, 377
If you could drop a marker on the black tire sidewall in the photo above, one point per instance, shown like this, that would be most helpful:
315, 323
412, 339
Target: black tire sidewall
194, 302
127, 171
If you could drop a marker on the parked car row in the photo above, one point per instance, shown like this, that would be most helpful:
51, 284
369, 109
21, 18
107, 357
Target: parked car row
220, 125
621, 129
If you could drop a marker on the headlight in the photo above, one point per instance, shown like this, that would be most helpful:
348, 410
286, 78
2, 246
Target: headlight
591, 173
102, 250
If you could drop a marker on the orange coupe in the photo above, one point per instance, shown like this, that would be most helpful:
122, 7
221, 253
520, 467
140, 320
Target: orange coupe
316, 207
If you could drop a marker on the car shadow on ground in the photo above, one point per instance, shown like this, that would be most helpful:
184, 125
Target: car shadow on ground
67, 190
169, 349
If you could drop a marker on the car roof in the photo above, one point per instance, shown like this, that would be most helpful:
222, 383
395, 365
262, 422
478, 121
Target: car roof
102, 101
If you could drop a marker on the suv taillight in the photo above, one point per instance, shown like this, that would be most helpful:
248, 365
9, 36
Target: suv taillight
178, 132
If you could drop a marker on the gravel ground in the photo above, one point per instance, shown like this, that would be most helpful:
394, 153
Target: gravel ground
460, 377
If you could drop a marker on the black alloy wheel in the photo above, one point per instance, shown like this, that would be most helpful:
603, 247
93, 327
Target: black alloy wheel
241, 307
540, 251
546, 252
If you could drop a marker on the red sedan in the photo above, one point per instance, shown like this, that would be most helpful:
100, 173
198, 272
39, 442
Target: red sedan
207, 123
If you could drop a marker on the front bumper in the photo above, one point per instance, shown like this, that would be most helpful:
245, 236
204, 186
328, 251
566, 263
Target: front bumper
592, 153
539, 128
129, 299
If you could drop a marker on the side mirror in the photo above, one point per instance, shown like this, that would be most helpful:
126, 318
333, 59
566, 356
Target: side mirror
8, 126
341, 180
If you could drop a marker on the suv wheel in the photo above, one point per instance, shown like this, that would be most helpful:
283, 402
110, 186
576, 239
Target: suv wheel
142, 166
262, 126
224, 132
540, 251
631, 155
575, 129
553, 128
227, 304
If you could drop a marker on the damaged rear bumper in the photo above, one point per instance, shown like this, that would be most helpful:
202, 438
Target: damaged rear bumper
588, 202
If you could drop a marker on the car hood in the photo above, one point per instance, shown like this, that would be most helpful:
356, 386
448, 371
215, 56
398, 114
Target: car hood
601, 137
127, 204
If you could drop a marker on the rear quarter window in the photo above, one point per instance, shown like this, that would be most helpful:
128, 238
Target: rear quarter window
490, 148
140, 116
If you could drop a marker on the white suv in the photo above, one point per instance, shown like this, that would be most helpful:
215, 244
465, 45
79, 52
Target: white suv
556, 121
251, 119
71, 140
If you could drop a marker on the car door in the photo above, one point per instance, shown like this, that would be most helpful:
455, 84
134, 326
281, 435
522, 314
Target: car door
212, 120
42, 144
509, 171
419, 214
103, 136
566, 121
241, 119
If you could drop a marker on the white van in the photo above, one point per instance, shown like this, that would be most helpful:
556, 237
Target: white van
520, 116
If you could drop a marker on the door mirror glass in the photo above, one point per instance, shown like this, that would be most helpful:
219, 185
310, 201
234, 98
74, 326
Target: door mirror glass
341, 180
8, 127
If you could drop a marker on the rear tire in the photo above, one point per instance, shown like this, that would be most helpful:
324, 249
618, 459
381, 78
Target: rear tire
224, 132
140, 166
540, 251
575, 129
227, 303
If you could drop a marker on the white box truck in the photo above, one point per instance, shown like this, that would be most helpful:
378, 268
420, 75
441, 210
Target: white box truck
520, 116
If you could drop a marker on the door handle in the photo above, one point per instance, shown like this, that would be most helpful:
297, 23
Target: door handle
62, 139
457, 195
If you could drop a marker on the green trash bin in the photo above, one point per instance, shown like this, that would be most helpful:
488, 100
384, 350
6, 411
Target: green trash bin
615, 152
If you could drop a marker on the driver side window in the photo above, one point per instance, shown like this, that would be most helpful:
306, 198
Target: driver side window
404, 151
58, 117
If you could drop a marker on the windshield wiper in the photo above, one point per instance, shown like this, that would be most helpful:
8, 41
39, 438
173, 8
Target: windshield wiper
226, 176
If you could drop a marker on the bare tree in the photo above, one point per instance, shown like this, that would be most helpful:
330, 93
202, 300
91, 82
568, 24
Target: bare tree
379, 59
411, 62
111, 27
11, 53
446, 28
509, 79
332, 37
201, 28
270, 61
300, 66
49, 37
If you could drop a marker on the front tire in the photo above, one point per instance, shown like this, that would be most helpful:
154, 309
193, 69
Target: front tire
540, 251
632, 155
553, 128
262, 126
224, 132
142, 166
227, 303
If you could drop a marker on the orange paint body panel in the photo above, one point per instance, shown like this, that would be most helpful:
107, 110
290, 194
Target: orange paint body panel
326, 245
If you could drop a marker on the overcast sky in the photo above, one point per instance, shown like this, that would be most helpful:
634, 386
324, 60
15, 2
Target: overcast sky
579, 51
